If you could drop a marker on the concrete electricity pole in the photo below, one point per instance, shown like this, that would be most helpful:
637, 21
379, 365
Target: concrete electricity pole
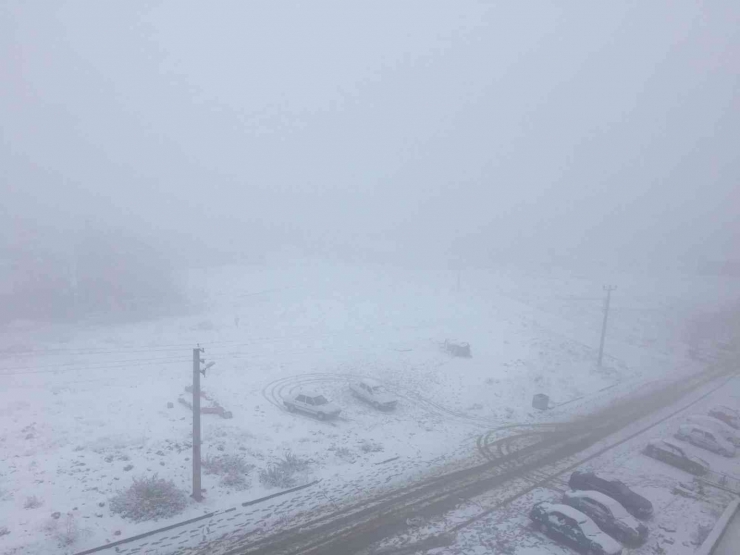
608, 289
197, 489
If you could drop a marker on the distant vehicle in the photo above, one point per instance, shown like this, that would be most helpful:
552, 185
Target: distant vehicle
373, 392
571, 527
609, 515
707, 439
312, 403
458, 348
672, 454
727, 415
635, 504
723, 429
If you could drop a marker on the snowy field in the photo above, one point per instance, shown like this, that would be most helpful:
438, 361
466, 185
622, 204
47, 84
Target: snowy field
85, 409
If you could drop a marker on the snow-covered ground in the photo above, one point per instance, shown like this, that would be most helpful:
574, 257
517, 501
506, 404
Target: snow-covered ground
85, 408
685, 509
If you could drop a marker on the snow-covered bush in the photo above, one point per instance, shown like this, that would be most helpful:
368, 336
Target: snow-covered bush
276, 476
149, 498
280, 474
233, 469
65, 531
367, 446
32, 502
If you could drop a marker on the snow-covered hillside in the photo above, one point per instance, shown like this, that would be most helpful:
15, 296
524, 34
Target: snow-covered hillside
84, 409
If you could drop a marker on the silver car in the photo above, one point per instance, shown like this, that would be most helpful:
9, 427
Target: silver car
312, 403
724, 430
373, 392
703, 437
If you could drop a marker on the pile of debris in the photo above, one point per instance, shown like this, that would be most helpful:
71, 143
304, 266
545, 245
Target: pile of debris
213, 406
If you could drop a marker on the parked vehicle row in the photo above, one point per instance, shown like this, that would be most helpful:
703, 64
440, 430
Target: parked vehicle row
595, 516
316, 404
715, 432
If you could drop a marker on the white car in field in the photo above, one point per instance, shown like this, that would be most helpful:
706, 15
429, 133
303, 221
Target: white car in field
703, 437
312, 403
372, 392
724, 430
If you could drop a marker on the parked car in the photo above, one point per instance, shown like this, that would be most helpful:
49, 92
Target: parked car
609, 515
672, 454
727, 415
312, 403
573, 528
635, 504
372, 392
723, 429
705, 438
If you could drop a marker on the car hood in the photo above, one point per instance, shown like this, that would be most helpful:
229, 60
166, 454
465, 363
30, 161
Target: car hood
384, 398
697, 460
607, 543
629, 522
640, 502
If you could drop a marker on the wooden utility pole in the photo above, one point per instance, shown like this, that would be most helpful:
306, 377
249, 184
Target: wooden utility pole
197, 490
608, 289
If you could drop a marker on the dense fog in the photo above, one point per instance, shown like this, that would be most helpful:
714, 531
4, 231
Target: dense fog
453, 133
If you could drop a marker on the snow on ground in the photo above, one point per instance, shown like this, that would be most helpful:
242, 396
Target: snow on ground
684, 511
85, 408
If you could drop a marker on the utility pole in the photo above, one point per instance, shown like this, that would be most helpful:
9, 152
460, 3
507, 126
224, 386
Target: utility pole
608, 289
197, 493
197, 490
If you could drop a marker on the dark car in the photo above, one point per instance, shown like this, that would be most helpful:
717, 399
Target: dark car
727, 415
674, 455
571, 527
609, 515
635, 504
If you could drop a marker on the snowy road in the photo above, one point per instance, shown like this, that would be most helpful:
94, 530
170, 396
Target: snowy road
515, 474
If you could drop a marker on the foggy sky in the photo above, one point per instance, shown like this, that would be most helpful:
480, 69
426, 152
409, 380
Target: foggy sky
605, 129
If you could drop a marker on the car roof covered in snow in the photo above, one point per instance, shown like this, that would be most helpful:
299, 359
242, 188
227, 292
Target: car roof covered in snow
698, 427
709, 422
596, 496
567, 510
307, 393
658, 442
371, 382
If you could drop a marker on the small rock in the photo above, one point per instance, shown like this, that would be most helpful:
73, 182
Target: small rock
56, 515
117, 533
128, 467
170, 405
101, 504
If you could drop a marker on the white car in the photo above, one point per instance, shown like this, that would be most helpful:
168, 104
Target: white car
724, 430
702, 437
312, 403
373, 392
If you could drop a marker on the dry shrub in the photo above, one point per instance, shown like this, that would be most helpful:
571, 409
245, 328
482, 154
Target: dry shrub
149, 498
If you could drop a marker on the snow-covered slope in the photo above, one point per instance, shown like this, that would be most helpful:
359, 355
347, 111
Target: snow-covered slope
85, 408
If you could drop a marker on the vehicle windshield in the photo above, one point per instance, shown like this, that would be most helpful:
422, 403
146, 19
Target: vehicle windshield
589, 528
618, 511
622, 488
320, 400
